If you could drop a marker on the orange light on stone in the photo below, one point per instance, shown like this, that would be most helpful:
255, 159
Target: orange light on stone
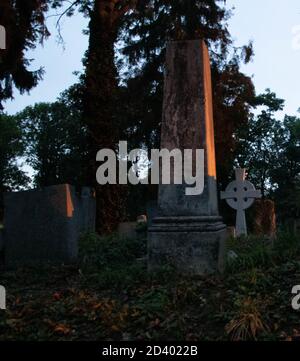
209, 118
69, 202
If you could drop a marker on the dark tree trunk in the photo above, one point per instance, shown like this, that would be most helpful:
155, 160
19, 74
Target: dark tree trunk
99, 104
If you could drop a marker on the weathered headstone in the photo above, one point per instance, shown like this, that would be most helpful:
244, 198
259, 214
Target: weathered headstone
127, 230
240, 195
264, 220
44, 225
231, 232
142, 219
188, 231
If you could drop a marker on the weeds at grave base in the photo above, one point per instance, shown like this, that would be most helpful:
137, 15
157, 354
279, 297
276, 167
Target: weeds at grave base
247, 323
260, 252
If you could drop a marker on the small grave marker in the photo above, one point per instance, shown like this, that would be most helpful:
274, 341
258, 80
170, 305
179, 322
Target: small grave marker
240, 195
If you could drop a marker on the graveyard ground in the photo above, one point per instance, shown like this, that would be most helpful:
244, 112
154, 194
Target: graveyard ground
110, 296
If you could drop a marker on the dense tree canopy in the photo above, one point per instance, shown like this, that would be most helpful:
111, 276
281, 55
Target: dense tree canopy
24, 21
56, 141
269, 148
286, 175
262, 140
11, 147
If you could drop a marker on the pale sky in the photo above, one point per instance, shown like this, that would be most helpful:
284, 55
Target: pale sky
269, 23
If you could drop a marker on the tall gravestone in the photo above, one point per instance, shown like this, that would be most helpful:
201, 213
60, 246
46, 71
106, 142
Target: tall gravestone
188, 232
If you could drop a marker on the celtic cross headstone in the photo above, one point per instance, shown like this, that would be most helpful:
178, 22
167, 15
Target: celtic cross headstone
240, 195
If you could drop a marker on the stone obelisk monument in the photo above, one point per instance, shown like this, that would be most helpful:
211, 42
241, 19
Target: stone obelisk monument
188, 232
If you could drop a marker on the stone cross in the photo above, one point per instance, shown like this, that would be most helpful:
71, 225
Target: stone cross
240, 195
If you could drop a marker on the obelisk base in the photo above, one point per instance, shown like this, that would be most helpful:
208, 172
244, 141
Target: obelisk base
193, 245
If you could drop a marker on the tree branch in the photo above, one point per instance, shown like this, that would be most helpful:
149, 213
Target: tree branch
60, 16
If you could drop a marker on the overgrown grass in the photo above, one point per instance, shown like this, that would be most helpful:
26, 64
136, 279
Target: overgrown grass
112, 260
110, 295
258, 252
